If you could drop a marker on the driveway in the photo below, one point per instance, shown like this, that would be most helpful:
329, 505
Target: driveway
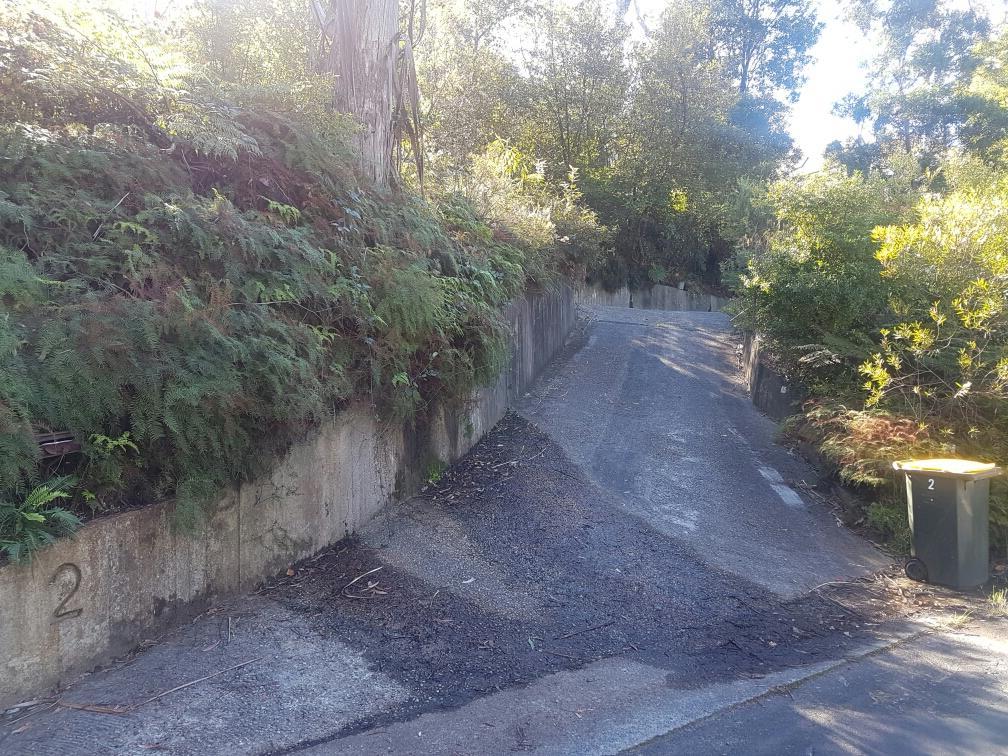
653, 410
625, 558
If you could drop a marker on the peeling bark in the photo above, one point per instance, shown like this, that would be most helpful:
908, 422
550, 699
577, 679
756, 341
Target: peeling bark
360, 47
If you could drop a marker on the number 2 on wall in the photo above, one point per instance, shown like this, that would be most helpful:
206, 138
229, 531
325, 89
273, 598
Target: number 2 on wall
75, 573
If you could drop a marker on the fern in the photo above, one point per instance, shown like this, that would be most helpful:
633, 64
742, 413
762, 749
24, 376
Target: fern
34, 522
196, 278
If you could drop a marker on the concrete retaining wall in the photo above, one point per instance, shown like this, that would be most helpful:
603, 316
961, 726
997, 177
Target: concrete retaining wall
658, 297
769, 390
596, 295
128, 577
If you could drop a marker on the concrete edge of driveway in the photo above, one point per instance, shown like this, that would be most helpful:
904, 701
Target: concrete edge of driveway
607, 707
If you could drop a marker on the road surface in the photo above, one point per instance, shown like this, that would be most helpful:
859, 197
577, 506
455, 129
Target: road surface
627, 562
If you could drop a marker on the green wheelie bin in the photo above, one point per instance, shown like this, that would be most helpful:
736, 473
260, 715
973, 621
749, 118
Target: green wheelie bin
948, 508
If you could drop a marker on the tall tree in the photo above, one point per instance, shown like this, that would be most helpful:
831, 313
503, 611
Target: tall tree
577, 71
371, 61
763, 46
985, 131
678, 151
473, 90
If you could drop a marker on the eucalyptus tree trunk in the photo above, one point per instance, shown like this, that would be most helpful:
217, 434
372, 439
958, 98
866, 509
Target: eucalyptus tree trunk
360, 47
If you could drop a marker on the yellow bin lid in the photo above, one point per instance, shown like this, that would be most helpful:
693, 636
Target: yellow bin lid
952, 468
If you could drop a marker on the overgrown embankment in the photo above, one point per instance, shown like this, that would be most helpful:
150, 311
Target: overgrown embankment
192, 278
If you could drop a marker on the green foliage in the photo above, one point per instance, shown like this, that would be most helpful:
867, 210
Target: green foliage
864, 443
945, 361
985, 128
765, 44
659, 132
579, 80
697, 130
816, 289
29, 524
435, 469
948, 271
505, 196
904, 316
881, 284
890, 520
193, 275
474, 93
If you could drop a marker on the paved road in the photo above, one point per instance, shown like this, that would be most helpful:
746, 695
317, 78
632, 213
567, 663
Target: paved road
625, 563
941, 693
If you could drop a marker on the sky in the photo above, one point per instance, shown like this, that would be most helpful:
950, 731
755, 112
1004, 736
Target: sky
838, 68
840, 57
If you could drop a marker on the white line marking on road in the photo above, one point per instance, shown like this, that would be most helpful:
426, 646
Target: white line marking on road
784, 491
788, 495
771, 474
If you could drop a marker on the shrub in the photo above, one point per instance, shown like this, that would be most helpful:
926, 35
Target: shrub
816, 293
921, 345
506, 194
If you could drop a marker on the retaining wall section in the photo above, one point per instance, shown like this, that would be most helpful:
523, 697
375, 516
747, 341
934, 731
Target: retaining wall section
128, 577
657, 297
770, 391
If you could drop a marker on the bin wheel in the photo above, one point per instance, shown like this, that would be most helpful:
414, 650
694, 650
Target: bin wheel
916, 570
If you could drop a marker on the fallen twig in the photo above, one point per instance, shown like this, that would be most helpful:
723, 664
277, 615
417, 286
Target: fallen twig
845, 609
98, 709
133, 707
50, 707
372, 586
102, 221
834, 583
515, 462
362, 575
189, 684
585, 630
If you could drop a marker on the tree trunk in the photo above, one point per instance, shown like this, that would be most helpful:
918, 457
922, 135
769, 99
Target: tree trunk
363, 42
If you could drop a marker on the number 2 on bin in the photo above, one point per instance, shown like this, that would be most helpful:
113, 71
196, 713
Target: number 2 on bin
930, 484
